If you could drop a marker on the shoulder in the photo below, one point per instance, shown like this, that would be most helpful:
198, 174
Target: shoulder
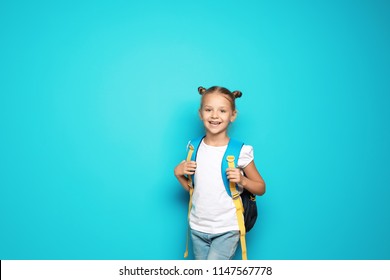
246, 156
195, 142
246, 149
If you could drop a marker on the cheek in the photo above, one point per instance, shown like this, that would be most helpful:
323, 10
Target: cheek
203, 116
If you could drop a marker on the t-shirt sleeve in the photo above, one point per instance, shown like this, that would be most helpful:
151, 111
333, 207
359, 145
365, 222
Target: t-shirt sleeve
246, 156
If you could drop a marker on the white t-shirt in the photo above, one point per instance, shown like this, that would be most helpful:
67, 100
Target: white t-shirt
213, 210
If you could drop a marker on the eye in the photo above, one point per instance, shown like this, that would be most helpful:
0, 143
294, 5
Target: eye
223, 111
207, 110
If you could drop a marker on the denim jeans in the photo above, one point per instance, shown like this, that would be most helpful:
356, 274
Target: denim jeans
221, 246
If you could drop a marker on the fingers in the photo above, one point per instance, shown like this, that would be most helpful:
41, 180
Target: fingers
189, 167
234, 175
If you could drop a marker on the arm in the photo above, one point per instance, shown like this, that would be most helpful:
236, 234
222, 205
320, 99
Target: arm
252, 181
184, 169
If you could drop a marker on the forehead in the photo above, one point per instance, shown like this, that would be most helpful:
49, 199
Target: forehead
216, 99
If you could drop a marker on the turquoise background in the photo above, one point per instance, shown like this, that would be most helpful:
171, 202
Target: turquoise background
99, 98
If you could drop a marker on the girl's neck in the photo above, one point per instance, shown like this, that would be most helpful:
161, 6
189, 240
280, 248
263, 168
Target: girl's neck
216, 140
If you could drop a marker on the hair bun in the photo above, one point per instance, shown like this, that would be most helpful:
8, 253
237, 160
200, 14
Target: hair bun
201, 90
237, 94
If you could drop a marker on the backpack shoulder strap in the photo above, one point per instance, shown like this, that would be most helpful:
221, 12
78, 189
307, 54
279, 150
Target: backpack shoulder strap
233, 149
192, 151
231, 158
194, 143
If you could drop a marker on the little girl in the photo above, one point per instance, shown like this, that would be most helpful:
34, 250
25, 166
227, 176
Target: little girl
213, 221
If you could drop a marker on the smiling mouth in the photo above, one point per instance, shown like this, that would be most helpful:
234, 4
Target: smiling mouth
215, 123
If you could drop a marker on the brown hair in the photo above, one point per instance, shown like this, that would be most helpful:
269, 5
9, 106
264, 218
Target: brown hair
216, 89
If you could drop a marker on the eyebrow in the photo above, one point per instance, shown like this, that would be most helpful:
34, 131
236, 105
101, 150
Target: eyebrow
222, 107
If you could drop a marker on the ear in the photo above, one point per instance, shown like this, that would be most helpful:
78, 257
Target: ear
200, 114
234, 116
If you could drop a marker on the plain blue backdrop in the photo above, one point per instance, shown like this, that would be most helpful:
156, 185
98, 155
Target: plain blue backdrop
99, 98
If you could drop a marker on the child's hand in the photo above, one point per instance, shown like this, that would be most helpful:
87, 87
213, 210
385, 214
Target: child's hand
185, 168
234, 175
